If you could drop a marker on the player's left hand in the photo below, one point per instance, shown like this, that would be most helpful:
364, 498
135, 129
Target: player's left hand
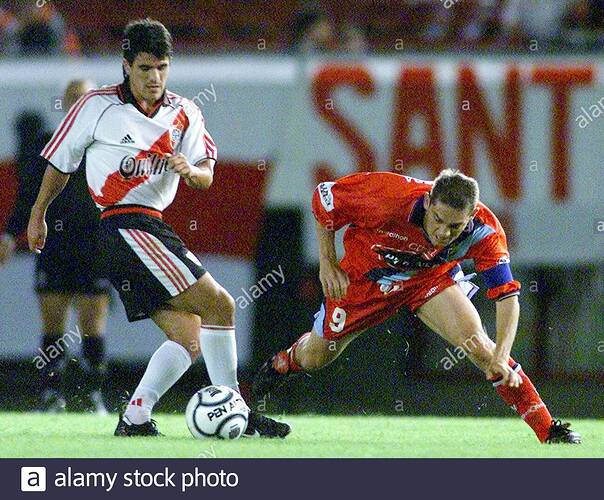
180, 165
499, 367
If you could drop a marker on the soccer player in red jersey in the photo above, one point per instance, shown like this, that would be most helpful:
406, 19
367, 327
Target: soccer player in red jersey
403, 245
139, 140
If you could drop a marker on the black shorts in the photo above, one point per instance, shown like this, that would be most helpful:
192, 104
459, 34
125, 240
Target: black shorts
69, 264
144, 259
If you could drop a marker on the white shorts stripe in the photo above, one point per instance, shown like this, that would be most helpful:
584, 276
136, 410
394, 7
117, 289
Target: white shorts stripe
178, 266
191, 256
151, 262
143, 238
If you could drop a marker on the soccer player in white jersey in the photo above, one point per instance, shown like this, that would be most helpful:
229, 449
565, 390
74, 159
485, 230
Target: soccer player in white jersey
139, 140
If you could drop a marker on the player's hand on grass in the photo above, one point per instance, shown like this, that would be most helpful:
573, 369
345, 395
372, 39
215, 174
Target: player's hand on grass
7, 247
333, 279
500, 368
36, 232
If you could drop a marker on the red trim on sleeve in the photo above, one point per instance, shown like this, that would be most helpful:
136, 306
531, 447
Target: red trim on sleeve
60, 135
210, 146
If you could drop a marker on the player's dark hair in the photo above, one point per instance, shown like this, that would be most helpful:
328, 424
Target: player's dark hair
456, 190
146, 35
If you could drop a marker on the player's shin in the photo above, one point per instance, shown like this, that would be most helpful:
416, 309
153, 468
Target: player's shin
93, 349
165, 367
525, 400
219, 351
53, 366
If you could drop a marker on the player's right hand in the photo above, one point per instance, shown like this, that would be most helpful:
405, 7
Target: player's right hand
333, 280
7, 247
501, 368
36, 233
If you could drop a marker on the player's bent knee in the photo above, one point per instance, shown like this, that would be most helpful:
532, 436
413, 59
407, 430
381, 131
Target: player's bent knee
225, 306
228, 303
220, 311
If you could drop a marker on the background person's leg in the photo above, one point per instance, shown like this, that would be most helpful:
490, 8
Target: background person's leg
54, 308
453, 316
92, 316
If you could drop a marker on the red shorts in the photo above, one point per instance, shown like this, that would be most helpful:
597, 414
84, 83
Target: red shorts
366, 305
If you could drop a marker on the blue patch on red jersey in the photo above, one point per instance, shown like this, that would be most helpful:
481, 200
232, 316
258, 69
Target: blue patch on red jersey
498, 275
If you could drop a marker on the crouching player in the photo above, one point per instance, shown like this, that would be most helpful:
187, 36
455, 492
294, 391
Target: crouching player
404, 241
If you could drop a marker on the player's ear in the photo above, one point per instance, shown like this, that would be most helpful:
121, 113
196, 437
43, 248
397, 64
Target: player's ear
125, 67
475, 211
426, 201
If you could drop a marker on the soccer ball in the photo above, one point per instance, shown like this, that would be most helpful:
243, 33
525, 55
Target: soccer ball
217, 411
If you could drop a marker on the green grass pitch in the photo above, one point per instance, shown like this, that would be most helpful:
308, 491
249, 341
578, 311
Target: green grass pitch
25, 435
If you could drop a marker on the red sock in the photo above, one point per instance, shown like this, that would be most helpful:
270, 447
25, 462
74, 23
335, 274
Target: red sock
525, 400
285, 362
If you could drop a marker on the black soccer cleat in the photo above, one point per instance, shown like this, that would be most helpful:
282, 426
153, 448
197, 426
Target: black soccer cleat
260, 426
271, 375
127, 429
124, 429
562, 433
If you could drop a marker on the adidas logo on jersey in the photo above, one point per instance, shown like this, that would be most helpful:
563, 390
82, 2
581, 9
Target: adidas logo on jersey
127, 140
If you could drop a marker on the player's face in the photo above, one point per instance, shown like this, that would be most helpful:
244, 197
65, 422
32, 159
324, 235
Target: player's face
148, 76
443, 223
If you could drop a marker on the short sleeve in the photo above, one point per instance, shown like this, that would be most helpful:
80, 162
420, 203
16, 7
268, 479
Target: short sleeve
197, 144
66, 148
366, 200
492, 261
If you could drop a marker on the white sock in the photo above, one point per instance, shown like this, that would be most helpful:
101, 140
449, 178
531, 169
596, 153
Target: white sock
219, 351
165, 367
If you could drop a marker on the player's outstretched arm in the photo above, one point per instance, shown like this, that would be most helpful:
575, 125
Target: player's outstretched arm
508, 311
53, 183
198, 176
333, 278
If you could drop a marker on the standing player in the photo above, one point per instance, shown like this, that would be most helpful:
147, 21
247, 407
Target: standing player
139, 140
65, 271
404, 242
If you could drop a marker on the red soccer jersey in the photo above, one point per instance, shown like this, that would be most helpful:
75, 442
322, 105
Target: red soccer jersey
385, 241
